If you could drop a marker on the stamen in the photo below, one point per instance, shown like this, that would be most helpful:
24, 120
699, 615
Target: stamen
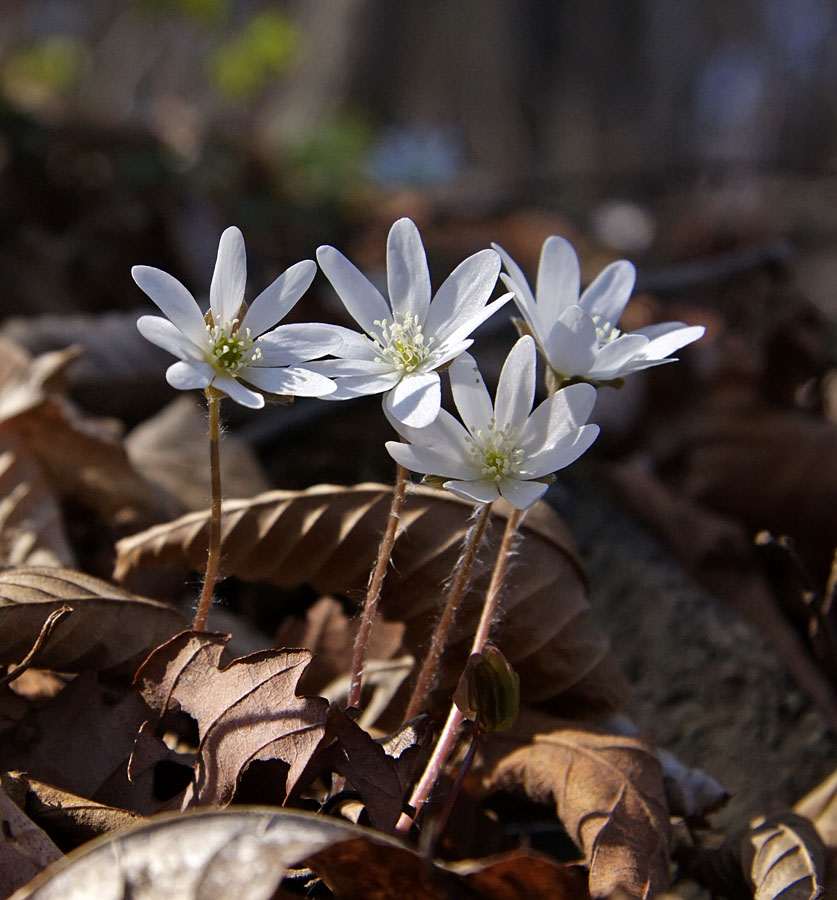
229, 348
401, 344
496, 452
606, 332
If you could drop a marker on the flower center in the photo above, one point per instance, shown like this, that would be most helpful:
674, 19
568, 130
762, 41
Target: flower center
495, 452
606, 332
402, 344
229, 348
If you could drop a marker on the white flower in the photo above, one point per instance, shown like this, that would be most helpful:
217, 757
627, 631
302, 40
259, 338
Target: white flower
504, 448
224, 350
578, 335
408, 338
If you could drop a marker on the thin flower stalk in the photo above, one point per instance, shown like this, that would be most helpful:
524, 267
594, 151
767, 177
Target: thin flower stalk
460, 580
447, 739
213, 558
376, 583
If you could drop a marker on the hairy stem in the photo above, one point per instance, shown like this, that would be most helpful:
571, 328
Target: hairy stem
447, 739
459, 584
213, 558
376, 583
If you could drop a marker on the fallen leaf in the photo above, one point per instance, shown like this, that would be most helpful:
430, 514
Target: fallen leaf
68, 819
107, 628
24, 849
171, 450
55, 744
31, 525
607, 790
521, 874
784, 857
246, 711
820, 806
327, 537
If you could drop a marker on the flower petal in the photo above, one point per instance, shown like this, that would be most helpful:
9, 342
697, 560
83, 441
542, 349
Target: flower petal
279, 298
668, 337
522, 494
556, 417
516, 386
186, 375
559, 277
516, 275
362, 299
428, 462
560, 454
167, 335
608, 294
416, 399
342, 368
478, 491
174, 301
470, 393
571, 345
360, 385
226, 292
408, 278
235, 390
528, 309
299, 342
473, 322
463, 294
611, 359
295, 380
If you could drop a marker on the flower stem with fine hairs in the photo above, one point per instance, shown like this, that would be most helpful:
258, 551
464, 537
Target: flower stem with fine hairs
376, 583
458, 585
213, 558
447, 739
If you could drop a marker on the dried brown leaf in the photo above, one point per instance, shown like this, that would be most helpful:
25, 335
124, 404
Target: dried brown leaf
607, 790
170, 451
327, 537
520, 874
24, 849
79, 741
31, 526
784, 857
68, 819
107, 628
820, 806
245, 711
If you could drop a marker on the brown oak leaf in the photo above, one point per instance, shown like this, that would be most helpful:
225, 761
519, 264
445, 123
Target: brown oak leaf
245, 711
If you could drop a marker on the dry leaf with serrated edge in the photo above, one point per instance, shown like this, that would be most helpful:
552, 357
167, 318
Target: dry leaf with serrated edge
327, 537
246, 711
107, 628
24, 849
607, 790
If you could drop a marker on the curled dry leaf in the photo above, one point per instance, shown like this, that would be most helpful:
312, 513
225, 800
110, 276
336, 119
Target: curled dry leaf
108, 627
607, 790
327, 537
246, 711
24, 849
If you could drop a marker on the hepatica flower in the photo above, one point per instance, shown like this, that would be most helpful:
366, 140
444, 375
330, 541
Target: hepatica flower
232, 350
503, 448
578, 335
405, 340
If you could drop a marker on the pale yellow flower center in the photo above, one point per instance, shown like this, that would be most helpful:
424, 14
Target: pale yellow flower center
495, 451
230, 349
401, 343
606, 332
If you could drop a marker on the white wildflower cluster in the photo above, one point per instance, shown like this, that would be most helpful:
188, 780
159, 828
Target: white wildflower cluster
501, 447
